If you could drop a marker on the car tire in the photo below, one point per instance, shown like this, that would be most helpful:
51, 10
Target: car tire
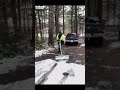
100, 41
76, 43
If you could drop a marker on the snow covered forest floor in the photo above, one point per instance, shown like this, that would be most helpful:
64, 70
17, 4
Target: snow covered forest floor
103, 65
50, 71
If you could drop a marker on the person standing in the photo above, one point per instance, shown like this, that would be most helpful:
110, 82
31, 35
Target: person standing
61, 40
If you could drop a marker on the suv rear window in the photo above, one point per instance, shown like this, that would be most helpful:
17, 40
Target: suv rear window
70, 35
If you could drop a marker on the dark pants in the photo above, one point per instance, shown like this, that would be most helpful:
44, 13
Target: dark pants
62, 43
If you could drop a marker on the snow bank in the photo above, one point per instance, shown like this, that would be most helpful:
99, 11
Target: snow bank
101, 85
42, 68
114, 45
57, 74
82, 45
81, 40
111, 36
61, 57
20, 85
8, 64
38, 53
90, 88
110, 67
82, 34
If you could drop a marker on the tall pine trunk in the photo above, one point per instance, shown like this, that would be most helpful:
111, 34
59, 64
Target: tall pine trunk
19, 13
51, 22
76, 21
40, 28
57, 18
14, 14
63, 21
72, 19
33, 23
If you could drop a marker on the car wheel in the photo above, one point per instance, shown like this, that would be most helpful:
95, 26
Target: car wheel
101, 40
76, 43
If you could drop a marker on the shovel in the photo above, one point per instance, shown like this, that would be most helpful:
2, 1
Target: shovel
61, 56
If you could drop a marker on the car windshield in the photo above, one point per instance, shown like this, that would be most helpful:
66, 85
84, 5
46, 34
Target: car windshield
71, 35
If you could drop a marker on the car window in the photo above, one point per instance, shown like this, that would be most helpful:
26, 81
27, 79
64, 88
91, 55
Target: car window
71, 35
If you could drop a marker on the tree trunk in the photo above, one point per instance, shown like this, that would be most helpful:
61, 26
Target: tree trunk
76, 22
24, 22
72, 19
108, 10
14, 14
57, 18
63, 21
119, 23
51, 22
40, 29
114, 13
33, 23
99, 9
19, 13
44, 24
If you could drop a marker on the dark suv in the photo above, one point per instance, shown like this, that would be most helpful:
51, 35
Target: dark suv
94, 30
71, 38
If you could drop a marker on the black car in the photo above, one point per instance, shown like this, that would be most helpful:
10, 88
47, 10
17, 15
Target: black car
71, 38
94, 30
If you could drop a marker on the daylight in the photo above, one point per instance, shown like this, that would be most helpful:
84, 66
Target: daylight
60, 59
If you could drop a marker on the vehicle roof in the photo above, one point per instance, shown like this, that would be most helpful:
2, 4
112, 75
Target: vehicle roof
94, 18
71, 33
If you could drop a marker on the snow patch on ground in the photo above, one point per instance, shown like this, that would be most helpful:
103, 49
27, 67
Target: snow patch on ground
111, 36
61, 57
110, 67
41, 68
39, 53
81, 40
114, 45
8, 64
57, 74
20, 85
82, 45
101, 85
82, 34
90, 88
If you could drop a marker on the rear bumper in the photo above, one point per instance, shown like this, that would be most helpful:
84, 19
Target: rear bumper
97, 35
70, 41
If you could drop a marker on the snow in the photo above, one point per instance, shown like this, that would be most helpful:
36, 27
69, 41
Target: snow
81, 40
111, 36
20, 85
57, 74
101, 85
41, 68
114, 45
82, 35
8, 64
61, 57
38, 53
82, 45
90, 88
110, 67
